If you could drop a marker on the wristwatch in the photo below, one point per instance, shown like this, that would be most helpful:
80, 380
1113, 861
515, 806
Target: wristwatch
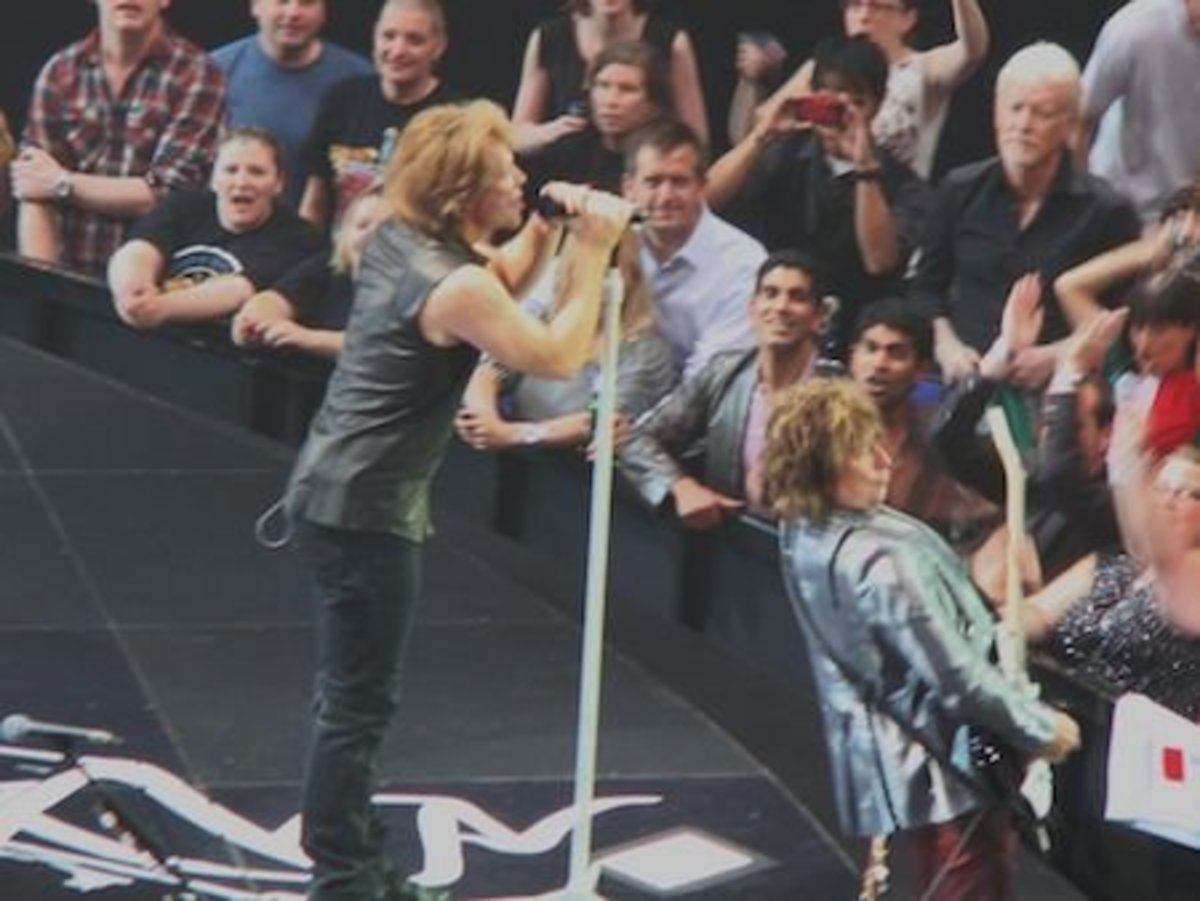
1067, 378
533, 433
63, 187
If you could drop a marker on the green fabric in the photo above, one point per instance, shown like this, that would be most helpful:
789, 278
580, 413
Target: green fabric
1016, 407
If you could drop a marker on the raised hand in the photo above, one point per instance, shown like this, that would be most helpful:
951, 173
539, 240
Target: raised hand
1021, 321
756, 58
1090, 342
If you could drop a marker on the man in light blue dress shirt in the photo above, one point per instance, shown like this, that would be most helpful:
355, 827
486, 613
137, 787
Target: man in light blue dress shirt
699, 267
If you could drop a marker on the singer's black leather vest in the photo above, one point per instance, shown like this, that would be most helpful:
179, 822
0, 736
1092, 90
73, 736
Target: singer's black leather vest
379, 436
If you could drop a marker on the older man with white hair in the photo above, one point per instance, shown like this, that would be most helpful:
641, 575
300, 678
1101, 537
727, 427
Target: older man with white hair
1027, 210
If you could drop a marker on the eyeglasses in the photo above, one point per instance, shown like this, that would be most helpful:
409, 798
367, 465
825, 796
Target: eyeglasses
1172, 490
875, 6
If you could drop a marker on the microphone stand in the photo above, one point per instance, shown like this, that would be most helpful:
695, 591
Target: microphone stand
116, 816
582, 877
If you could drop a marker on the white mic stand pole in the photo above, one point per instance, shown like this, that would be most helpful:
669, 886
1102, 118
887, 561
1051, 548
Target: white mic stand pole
581, 882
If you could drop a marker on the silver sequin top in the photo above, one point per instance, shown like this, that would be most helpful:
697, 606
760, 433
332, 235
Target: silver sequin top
1119, 636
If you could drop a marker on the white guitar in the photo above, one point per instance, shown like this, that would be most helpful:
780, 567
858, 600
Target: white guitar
1038, 784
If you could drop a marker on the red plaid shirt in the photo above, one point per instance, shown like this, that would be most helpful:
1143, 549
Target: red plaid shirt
164, 127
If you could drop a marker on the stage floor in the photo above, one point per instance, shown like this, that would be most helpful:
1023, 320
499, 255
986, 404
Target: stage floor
134, 598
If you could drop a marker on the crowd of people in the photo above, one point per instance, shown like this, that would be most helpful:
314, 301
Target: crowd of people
812, 329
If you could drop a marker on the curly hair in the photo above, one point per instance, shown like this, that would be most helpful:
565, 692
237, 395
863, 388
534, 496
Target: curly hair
444, 160
816, 428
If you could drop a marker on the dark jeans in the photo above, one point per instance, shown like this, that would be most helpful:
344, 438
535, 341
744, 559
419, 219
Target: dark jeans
366, 587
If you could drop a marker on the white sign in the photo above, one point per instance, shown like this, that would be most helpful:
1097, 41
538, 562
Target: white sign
1154, 771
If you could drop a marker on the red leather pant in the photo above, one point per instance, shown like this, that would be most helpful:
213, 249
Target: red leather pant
973, 857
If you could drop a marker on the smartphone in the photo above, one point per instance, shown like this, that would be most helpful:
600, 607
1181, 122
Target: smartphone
819, 109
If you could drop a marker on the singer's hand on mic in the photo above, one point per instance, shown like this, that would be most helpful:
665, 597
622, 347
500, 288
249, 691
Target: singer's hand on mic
602, 220
569, 197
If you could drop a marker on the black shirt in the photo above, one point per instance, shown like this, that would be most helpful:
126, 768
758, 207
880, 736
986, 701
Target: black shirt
320, 296
580, 158
354, 133
186, 230
565, 67
973, 247
794, 199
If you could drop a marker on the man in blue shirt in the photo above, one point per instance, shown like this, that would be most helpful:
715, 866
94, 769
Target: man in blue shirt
276, 77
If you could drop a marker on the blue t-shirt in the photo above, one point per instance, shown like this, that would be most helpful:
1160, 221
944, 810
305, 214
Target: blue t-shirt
264, 94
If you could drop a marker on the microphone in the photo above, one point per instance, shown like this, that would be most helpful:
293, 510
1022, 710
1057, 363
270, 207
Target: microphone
550, 209
17, 727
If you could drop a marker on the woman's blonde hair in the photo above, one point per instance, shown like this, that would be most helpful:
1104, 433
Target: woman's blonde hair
816, 428
342, 258
445, 159
636, 313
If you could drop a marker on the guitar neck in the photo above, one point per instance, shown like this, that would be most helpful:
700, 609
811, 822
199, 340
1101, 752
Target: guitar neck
1012, 644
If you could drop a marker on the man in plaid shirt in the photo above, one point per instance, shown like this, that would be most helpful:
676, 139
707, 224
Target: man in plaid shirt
116, 120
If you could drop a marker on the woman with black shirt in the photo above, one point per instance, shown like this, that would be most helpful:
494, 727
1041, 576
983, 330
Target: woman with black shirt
552, 96
200, 255
307, 308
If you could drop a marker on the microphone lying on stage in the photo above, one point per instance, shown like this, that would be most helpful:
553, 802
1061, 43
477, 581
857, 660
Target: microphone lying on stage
17, 727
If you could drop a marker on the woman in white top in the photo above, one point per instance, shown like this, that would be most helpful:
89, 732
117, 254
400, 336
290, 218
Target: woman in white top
920, 82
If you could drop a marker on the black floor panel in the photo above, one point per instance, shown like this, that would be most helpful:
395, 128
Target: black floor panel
496, 701
235, 697
82, 678
179, 549
68, 418
41, 587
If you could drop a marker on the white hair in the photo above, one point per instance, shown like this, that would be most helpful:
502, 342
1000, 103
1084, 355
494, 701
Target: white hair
1040, 63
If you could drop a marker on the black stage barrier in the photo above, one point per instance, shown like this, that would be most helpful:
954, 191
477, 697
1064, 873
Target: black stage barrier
750, 675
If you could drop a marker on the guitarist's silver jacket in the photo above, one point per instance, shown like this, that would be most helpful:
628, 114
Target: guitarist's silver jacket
885, 603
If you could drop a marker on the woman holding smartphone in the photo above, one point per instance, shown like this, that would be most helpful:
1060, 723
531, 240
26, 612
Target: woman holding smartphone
920, 82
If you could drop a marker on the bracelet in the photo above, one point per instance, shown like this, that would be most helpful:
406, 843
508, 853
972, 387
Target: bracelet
533, 434
858, 175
